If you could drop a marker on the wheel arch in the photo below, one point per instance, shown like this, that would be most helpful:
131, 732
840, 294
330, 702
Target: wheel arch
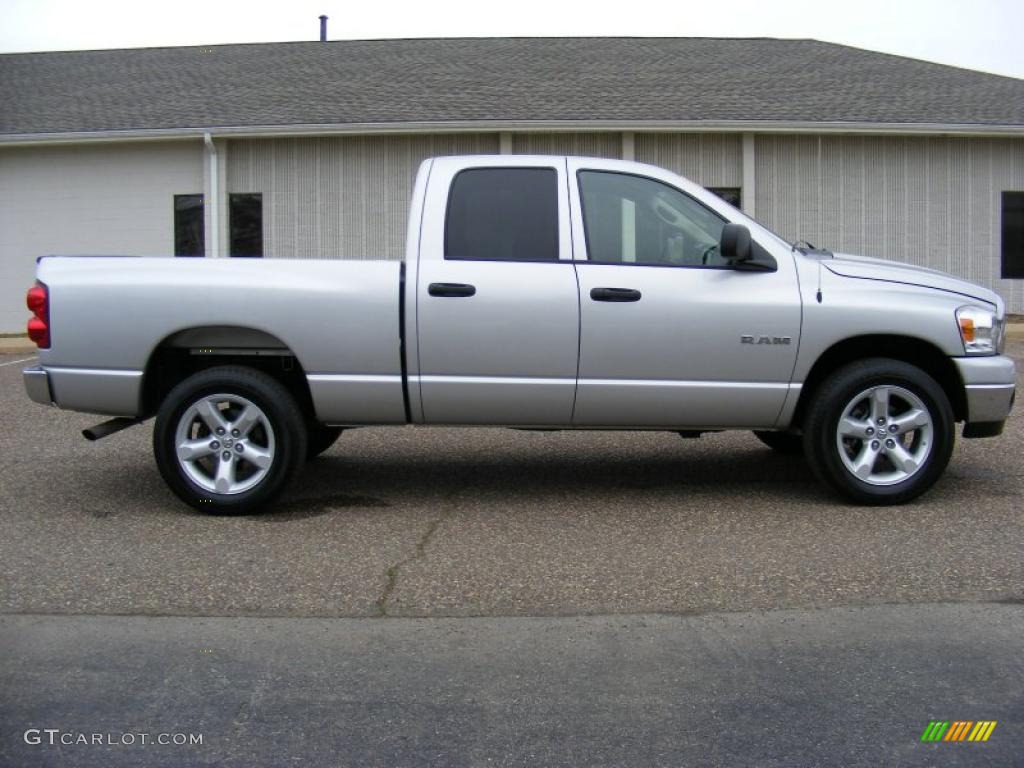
915, 351
190, 350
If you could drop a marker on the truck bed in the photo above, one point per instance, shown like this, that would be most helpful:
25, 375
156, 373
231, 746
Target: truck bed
340, 319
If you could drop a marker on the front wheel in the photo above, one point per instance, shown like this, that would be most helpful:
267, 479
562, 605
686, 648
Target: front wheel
228, 439
879, 431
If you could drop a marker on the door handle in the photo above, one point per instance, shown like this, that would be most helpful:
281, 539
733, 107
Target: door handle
451, 289
615, 294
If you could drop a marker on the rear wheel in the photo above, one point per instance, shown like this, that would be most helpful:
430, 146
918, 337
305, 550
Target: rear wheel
228, 439
879, 431
787, 443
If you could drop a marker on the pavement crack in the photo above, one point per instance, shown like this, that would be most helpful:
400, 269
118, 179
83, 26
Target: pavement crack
419, 552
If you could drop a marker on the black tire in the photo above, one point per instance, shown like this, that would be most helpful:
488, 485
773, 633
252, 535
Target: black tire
276, 437
319, 438
885, 480
788, 443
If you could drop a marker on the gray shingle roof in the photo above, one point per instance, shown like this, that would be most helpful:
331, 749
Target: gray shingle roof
495, 80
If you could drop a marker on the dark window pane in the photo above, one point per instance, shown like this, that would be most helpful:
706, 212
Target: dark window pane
1013, 235
508, 214
245, 224
635, 220
731, 195
188, 226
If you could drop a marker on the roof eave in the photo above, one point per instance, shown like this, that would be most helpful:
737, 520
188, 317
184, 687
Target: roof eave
516, 126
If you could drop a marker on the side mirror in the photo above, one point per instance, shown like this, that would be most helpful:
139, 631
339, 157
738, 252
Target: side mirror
734, 244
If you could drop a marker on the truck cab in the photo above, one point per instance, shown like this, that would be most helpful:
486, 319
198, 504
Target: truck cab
604, 270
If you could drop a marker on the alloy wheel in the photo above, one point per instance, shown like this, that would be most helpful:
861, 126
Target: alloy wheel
884, 435
224, 443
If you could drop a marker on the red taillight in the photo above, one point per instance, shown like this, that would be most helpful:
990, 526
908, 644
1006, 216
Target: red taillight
38, 301
38, 332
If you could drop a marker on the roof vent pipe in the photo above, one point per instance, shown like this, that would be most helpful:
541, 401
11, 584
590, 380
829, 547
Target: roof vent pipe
323, 29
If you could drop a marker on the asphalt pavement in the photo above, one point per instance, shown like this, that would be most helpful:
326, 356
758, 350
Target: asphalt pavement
721, 607
838, 687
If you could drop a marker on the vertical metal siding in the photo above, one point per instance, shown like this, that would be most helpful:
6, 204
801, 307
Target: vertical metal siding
578, 144
929, 201
1006, 167
710, 159
924, 200
338, 197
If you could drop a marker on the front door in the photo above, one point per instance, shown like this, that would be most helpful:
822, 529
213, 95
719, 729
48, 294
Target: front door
669, 331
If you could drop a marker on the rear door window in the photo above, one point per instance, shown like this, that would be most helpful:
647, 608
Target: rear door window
503, 214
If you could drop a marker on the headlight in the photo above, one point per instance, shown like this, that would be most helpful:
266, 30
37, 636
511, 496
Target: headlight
980, 330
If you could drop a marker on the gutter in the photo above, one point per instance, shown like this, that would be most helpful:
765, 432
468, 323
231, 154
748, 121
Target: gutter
516, 126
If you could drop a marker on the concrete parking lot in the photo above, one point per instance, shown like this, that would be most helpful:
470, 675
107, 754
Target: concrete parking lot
563, 599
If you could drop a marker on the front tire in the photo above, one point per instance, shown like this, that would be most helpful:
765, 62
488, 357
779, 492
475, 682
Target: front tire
879, 431
228, 439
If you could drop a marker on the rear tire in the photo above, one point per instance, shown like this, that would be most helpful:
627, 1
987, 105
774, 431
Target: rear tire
786, 443
320, 438
227, 440
879, 431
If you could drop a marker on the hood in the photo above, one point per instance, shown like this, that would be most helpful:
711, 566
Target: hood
866, 268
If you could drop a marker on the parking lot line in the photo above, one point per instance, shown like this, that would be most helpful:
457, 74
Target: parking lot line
15, 362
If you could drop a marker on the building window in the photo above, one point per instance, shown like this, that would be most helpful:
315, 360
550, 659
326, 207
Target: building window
504, 214
1013, 235
731, 195
188, 226
245, 225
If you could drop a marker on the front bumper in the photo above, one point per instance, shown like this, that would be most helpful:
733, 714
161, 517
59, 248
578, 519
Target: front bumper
37, 384
990, 389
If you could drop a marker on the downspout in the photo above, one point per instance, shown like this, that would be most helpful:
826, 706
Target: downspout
748, 186
214, 201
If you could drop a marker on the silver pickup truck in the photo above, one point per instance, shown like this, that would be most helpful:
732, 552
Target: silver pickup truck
537, 292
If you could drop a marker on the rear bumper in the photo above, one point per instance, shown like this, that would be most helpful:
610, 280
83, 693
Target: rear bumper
37, 385
91, 390
989, 389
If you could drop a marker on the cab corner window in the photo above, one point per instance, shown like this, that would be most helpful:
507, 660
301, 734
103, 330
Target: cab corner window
503, 214
635, 220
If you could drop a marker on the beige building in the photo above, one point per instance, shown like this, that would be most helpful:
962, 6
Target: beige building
308, 150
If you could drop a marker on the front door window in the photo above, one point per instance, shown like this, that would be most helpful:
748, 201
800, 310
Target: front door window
634, 220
